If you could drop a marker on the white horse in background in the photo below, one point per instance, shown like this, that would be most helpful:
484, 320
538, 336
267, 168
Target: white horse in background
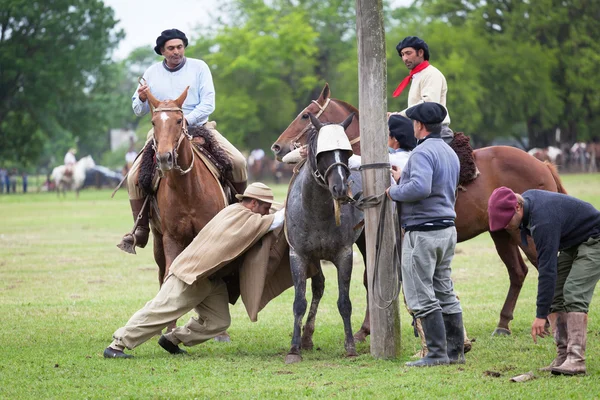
74, 181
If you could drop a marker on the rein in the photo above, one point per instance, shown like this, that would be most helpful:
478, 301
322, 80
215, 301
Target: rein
184, 133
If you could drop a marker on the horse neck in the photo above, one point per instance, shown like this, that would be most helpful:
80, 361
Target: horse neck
315, 198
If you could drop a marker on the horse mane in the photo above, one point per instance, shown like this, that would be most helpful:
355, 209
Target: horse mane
312, 147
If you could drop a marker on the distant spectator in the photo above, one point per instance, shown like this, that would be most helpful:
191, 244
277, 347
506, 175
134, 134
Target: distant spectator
7, 181
24, 177
2, 179
130, 158
13, 180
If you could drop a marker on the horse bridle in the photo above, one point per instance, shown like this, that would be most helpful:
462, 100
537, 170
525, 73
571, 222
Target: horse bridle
184, 133
307, 127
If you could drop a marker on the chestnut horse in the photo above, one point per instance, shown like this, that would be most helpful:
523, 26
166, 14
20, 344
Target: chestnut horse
498, 165
188, 196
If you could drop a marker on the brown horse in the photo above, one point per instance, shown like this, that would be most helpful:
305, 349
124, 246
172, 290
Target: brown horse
188, 196
498, 165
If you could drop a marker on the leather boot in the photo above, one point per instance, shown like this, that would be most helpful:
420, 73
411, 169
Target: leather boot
558, 324
140, 237
455, 338
240, 186
435, 336
576, 343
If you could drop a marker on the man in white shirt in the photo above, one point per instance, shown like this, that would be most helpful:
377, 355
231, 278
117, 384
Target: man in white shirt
427, 83
70, 161
167, 80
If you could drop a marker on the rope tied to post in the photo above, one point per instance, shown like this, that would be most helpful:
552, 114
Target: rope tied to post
374, 201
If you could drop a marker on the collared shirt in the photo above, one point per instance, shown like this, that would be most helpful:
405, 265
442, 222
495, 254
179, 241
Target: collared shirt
169, 85
428, 85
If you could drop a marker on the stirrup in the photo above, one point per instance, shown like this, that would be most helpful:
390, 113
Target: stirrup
126, 245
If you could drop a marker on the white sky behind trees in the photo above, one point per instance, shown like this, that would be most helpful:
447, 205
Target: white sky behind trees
143, 20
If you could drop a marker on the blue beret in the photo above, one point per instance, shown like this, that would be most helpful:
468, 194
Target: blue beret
167, 35
427, 113
402, 129
414, 42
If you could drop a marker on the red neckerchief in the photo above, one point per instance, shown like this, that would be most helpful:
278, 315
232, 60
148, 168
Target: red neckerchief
406, 80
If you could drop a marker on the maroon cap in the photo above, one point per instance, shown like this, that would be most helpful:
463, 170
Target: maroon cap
501, 208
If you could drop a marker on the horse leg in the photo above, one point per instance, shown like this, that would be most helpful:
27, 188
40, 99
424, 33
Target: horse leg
344, 267
365, 329
517, 271
318, 287
298, 269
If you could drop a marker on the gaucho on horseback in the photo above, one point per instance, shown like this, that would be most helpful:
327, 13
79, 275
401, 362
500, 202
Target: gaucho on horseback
167, 80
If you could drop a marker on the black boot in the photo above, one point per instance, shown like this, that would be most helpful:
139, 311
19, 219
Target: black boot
435, 336
140, 237
455, 338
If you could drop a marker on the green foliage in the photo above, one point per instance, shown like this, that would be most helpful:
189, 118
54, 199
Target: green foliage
52, 56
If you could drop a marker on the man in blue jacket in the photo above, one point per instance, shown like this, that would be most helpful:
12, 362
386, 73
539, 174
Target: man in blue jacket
557, 223
427, 190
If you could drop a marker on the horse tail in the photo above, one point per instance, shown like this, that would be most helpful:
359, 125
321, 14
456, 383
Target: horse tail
559, 186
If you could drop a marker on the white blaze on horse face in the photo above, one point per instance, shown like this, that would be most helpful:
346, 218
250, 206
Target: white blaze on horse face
164, 116
339, 167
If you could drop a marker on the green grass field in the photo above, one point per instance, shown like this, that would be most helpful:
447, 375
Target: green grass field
65, 288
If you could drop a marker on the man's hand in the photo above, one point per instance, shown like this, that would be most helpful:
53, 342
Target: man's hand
387, 192
538, 328
396, 173
142, 92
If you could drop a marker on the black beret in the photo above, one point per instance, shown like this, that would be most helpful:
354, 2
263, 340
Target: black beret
427, 113
167, 35
414, 42
402, 130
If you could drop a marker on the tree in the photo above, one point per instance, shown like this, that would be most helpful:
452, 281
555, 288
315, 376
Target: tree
52, 55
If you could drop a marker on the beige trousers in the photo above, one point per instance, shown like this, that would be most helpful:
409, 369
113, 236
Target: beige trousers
240, 171
175, 298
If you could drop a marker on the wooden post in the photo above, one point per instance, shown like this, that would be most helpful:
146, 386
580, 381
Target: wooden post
385, 323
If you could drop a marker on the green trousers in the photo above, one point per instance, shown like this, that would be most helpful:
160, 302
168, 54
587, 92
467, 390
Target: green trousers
578, 271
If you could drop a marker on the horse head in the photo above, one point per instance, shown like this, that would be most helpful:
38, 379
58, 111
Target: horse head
325, 109
328, 152
170, 128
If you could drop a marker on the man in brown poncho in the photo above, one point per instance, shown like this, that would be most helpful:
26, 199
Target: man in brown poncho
198, 277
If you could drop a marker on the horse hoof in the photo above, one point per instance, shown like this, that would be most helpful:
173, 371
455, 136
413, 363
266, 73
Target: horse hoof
293, 358
223, 337
360, 336
501, 332
351, 354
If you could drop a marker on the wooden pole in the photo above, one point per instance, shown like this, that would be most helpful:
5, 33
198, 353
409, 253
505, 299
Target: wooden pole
385, 323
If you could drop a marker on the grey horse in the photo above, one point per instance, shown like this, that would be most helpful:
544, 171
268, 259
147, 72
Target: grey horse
314, 234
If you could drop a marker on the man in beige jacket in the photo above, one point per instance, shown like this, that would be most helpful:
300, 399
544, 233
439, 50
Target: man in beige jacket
197, 279
427, 83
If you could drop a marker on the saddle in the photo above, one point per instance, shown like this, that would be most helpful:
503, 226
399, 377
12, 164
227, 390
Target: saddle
205, 146
468, 170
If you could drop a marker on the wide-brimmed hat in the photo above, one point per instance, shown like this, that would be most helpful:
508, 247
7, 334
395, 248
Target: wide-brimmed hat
167, 35
258, 191
501, 208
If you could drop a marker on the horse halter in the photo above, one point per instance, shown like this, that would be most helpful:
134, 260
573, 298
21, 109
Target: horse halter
184, 133
307, 127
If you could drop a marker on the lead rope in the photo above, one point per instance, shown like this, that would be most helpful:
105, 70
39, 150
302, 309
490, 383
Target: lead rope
373, 201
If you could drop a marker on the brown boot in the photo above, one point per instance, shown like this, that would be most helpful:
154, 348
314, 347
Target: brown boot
558, 324
577, 337
140, 237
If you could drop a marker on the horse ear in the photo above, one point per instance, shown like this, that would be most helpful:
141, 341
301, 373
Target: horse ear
152, 100
325, 93
347, 121
181, 98
315, 121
